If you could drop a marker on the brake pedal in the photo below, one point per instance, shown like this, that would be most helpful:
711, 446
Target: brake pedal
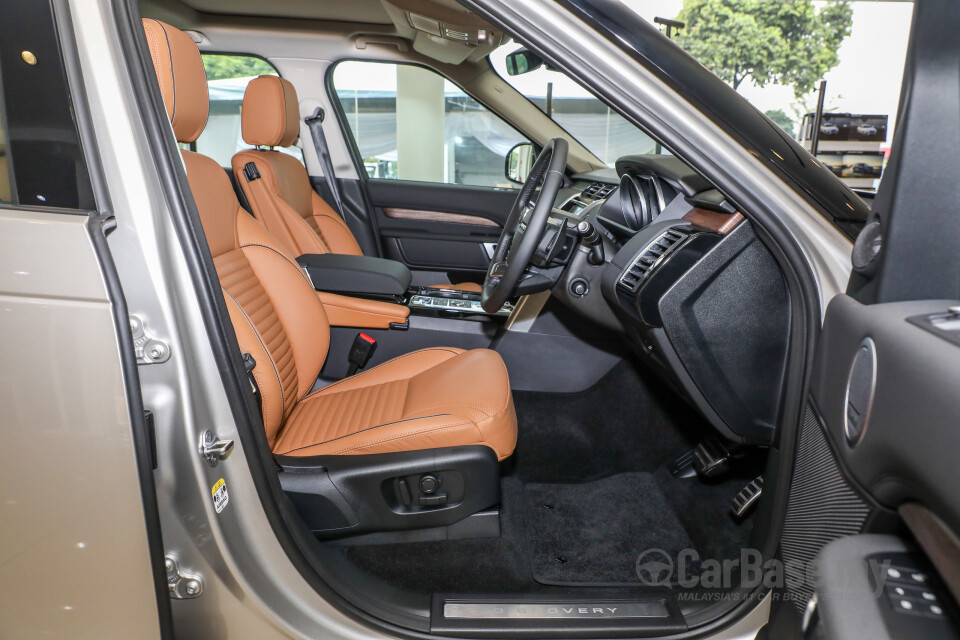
711, 458
747, 497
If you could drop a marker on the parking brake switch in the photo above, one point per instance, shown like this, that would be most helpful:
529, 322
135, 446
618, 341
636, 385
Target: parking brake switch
361, 352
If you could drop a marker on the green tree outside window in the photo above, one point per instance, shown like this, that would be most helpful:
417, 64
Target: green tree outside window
789, 42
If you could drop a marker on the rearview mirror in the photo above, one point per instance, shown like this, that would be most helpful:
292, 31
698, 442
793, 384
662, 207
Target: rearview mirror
522, 61
519, 162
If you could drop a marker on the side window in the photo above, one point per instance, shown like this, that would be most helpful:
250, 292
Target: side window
410, 123
227, 79
41, 160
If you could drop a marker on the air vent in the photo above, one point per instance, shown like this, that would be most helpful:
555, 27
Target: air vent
644, 263
598, 191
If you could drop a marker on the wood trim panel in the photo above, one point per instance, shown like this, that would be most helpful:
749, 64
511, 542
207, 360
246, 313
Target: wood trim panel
438, 216
941, 546
703, 220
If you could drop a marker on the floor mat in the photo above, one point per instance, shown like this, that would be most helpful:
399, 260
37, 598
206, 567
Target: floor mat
593, 533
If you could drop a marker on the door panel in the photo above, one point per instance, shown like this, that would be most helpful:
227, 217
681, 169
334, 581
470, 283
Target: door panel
75, 557
438, 226
433, 160
908, 442
80, 548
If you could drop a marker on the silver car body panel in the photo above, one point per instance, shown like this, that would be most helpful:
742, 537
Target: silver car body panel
74, 553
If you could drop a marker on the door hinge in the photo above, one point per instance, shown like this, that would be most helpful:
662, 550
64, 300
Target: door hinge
213, 449
181, 584
148, 349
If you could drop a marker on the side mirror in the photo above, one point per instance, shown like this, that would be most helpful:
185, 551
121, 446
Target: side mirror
522, 61
519, 162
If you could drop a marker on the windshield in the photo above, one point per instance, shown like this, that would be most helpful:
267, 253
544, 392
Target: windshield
604, 132
855, 50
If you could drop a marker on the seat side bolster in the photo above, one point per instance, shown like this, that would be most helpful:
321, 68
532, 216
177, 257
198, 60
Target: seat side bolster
427, 432
336, 234
294, 299
265, 373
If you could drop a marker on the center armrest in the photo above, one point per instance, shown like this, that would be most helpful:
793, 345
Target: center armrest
344, 311
356, 274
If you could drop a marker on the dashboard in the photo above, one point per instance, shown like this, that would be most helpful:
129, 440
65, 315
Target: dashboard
689, 286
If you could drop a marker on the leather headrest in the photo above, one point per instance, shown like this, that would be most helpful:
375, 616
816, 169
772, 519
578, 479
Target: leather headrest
270, 115
183, 82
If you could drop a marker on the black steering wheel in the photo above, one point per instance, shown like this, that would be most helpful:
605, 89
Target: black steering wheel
525, 226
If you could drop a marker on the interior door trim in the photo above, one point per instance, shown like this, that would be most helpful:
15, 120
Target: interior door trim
940, 544
438, 216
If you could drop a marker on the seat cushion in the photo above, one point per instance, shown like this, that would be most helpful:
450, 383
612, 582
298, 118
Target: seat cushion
437, 397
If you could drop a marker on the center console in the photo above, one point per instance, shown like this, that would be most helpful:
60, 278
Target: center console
450, 303
388, 281
360, 293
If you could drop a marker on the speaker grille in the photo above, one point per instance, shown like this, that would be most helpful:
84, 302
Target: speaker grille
822, 507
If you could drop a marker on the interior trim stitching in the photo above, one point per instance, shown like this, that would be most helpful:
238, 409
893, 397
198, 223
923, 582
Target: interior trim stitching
269, 357
350, 435
362, 373
417, 434
315, 297
173, 73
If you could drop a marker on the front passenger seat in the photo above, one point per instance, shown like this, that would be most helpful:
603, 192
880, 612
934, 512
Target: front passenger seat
276, 184
432, 398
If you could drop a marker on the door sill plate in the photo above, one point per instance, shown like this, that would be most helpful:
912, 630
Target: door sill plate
555, 610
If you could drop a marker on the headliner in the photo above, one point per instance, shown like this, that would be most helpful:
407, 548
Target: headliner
370, 11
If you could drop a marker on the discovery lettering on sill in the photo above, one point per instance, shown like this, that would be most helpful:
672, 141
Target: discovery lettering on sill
546, 610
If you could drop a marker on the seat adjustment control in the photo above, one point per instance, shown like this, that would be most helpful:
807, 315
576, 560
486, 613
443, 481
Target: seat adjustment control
430, 496
429, 484
434, 500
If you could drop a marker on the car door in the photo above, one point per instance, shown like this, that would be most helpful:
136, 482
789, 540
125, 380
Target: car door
432, 163
874, 494
80, 553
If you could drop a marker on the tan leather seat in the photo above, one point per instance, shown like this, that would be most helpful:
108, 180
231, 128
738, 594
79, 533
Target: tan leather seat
437, 397
282, 198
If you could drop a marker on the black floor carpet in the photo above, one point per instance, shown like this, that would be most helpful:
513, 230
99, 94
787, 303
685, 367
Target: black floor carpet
593, 533
629, 421
603, 453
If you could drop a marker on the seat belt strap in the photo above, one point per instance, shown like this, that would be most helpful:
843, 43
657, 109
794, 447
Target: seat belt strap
315, 124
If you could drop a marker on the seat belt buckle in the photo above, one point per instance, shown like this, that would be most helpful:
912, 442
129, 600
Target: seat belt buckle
361, 352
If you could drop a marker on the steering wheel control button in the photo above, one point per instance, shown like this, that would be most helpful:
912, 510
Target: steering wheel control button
429, 484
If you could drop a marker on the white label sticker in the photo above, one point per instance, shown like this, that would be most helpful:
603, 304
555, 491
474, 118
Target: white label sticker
220, 496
